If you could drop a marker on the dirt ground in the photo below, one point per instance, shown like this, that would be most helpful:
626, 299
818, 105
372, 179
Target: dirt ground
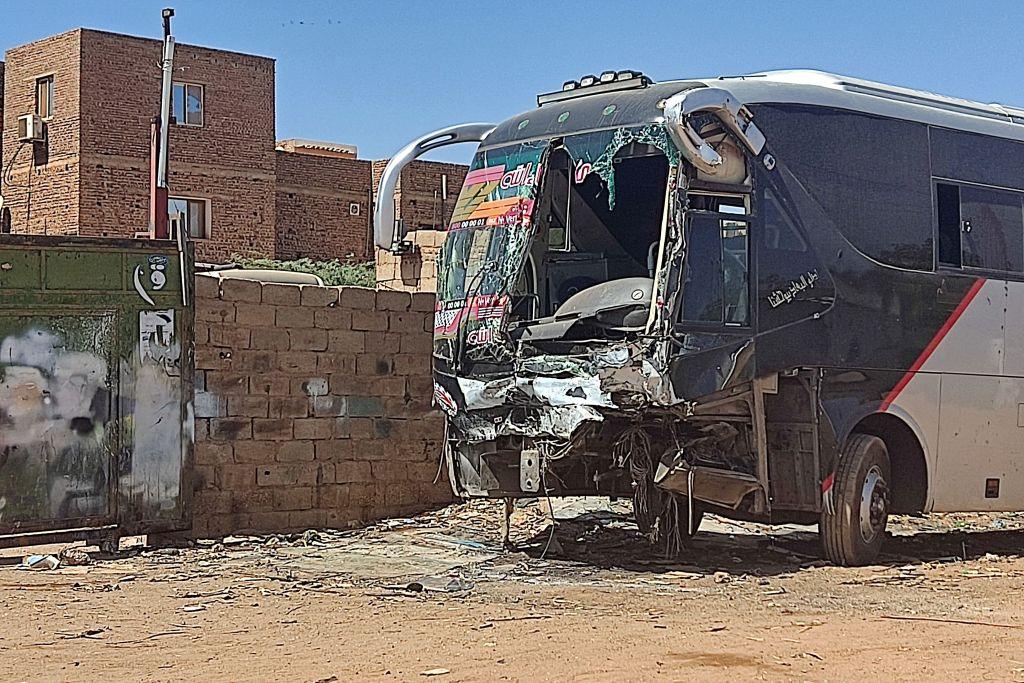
435, 598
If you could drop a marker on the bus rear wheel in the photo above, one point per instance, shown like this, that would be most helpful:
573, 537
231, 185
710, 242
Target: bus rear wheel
853, 525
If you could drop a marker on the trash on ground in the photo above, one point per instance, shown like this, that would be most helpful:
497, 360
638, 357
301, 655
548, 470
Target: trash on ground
435, 584
74, 557
40, 562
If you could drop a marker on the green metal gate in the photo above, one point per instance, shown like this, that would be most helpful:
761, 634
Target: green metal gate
96, 366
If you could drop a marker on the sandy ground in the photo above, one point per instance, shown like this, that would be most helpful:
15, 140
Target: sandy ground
743, 602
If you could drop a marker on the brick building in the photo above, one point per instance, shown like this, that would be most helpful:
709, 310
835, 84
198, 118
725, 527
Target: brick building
5, 222
97, 93
232, 186
324, 206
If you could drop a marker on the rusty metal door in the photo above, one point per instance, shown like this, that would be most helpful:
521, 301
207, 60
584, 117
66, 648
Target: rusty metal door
96, 429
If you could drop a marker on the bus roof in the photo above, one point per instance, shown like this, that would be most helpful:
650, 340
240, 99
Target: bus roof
639, 106
805, 86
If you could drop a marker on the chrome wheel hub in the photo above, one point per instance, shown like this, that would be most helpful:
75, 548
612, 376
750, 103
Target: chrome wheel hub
874, 505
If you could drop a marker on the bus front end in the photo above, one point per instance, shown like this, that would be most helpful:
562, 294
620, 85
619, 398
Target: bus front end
557, 358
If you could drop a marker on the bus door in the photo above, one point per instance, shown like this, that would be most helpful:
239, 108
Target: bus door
713, 329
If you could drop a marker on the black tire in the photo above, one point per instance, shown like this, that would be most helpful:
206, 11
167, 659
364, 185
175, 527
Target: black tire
850, 538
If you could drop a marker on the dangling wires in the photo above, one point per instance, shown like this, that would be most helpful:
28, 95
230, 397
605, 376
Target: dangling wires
657, 516
670, 527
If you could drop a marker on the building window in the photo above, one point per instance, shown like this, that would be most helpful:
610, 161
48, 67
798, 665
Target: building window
191, 214
44, 97
187, 104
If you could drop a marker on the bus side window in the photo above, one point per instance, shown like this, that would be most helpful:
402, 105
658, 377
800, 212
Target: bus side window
716, 281
992, 228
702, 271
736, 282
980, 227
947, 198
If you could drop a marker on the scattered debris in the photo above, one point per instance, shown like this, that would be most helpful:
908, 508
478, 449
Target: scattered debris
521, 617
308, 538
440, 557
74, 557
970, 622
435, 584
40, 562
435, 672
92, 633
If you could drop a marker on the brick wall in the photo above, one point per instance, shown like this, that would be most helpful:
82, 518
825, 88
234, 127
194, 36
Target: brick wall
313, 199
92, 175
1, 123
42, 192
418, 199
312, 407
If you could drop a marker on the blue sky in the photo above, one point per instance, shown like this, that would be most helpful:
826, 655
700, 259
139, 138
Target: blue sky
377, 74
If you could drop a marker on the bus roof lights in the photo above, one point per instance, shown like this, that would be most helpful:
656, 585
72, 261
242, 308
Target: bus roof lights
609, 81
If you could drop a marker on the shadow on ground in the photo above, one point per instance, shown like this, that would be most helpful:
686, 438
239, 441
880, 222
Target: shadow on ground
609, 542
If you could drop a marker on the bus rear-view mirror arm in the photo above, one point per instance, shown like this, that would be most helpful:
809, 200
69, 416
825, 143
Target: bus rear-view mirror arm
732, 113
387, 233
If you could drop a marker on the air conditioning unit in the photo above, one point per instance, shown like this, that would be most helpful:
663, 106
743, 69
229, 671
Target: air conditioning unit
30, 128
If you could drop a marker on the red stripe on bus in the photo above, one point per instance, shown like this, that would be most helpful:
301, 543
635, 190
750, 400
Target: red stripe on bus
933, 344
827, 482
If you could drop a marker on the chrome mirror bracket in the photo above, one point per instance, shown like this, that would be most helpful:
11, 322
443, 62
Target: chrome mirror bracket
387, 232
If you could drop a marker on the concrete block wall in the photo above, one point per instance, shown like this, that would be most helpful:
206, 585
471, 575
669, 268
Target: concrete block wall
312, 407
415, 271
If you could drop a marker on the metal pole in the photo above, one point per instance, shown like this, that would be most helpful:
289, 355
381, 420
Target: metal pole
444, 200
157, 195
167, 65
165, 120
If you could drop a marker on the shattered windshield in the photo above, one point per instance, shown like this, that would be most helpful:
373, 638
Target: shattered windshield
493, 222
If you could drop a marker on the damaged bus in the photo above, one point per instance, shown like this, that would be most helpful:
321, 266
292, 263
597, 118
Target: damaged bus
784, 297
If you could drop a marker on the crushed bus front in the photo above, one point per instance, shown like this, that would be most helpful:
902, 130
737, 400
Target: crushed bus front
554, 358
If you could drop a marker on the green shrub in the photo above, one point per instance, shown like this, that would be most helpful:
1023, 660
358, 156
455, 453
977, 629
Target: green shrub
334, 272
